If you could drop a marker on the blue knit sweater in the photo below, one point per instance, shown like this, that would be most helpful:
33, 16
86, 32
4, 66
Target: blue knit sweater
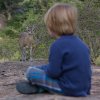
69, 63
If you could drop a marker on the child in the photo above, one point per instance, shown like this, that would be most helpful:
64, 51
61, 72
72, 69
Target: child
69, 70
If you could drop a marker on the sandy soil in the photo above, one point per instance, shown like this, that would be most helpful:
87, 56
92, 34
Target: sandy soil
12, 72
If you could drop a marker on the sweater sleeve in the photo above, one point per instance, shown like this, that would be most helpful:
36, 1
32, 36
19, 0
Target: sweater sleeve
55, 61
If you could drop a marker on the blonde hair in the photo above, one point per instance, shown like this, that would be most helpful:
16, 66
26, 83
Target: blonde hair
61, 19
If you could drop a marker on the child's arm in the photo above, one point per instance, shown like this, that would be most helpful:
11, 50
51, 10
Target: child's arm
54, 68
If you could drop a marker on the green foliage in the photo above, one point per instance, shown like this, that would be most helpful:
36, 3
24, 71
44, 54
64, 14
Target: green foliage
90, 16
89, 22
27, 12
31, 12
8, 6
9, 49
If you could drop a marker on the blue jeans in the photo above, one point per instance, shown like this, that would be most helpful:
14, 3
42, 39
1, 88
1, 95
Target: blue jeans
37, 76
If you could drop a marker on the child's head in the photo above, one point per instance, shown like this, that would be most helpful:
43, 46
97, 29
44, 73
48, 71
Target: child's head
61, 19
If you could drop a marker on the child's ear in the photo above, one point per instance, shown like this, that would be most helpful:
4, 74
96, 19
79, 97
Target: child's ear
51, 33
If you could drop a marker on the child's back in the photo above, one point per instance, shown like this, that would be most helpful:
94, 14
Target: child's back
73, 68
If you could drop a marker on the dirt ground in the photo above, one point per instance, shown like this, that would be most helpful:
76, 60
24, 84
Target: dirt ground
12, 72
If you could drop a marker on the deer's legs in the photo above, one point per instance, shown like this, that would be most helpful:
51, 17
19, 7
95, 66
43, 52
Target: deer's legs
23, 54
31, 54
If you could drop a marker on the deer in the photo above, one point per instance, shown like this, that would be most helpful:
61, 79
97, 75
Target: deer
27, 40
